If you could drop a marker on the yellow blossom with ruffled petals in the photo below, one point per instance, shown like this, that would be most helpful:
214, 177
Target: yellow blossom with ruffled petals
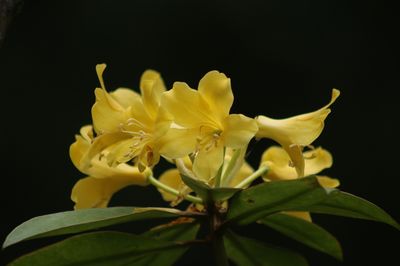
203, 126
96, 190
134, 123
294, 133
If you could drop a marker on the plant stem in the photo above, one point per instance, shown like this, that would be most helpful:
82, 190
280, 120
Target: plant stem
226, 175
247, 181
173, 191
216, 236
183, 169
218, 177
219, 251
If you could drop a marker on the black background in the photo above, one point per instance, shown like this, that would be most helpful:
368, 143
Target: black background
283, 58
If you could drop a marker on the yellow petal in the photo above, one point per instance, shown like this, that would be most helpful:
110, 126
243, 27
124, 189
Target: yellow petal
238, 130
208, 162
280, 166
300, 130
93, 192
100, 169
100, 70
162, 123
328, 182
278, 162
77, 150
81, 145
99, 144
172, 179
151, 87
90, 192
215, 88
125, 97
87, 132
178, 143
302, 215
187, 107
107, 113
295, 153
90, 157
317, 160
123, 151
138, 118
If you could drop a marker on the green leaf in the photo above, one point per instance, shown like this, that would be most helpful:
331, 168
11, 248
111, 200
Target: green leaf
103, 248
83, 220
305, 232
207, 193
345, 204
261, 200
172, 232
245, 251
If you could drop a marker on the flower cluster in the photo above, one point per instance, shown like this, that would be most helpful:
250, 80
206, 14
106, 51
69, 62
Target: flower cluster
194, 130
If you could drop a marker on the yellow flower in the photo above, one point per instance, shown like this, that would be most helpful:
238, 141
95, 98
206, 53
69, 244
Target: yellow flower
279, 168
202, 123
103, 181
136, 121
296, 132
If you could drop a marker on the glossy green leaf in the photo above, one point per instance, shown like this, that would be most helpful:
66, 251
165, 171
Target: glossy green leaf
245, 251
104, 248
261, 200
207, 193
175, 232
172, 232
305, 232
345, 204
83, 220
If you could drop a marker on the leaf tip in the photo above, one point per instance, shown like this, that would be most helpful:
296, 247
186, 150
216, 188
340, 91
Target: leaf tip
339, 254
6, 243
395, 224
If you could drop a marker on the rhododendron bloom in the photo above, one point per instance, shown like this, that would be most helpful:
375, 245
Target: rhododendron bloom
137, 119
203, 126
296, 132
103, 180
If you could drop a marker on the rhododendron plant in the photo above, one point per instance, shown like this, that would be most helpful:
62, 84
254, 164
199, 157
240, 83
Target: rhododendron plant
206, 146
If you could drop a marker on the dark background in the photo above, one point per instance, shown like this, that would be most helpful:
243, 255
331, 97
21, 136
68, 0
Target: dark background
283, 58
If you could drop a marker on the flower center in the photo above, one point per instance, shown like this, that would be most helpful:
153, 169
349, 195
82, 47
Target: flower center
139, 137
208, 138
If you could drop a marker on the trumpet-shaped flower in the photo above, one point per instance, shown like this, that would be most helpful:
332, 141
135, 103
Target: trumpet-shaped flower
295, 132
279, 168
135, 121
202, 125
103, 181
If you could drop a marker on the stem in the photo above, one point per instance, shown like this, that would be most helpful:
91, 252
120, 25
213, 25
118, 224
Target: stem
247, 181
216, 236
227, 176
173, 191
218, 177
183, 169
221, 258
